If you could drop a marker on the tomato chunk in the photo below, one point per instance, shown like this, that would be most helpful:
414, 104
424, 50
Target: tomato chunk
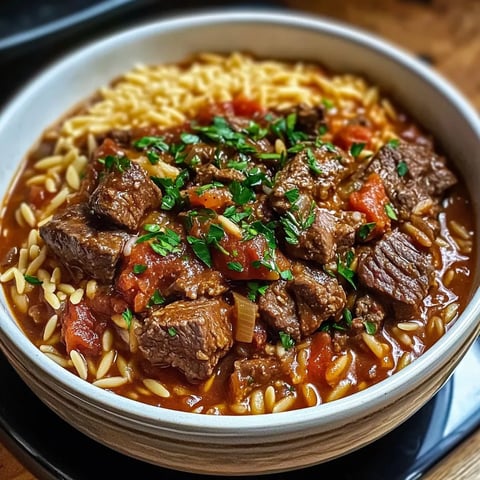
350, 134
240, 259
371, 200
320, 356
214, 198
81, 330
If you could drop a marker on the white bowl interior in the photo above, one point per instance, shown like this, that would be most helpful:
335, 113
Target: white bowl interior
434, 102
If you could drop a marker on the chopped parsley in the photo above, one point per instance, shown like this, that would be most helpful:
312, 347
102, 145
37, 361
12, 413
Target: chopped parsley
189, 138
393, 143
32, 280
152, 146
292, 195
163, 242
286, 340
156, 299
356, 149
402, 169
343, 268
201, 246
255, 289
128, 317
138, 268
235, 266
172, 331
365, 230
171, 190
348, 317
115, 162
390, 211
293, 225
313, 163
370, 327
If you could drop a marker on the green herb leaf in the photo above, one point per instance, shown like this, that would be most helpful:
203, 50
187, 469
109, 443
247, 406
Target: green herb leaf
201, 249
286, 340
172, 331
390, 211
241, 194
346, 272
370, 327
138, 268
156, 299
128, 317
292, 195
402, 169
115, 162
32, 280
235, 266
286, 275
255, 289
313, 163
328, 104
166, 242
155, 142
348, 317
393, 143
189, 138
356, 149
366, 229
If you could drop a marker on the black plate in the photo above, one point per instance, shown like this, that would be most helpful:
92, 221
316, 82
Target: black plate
53, 450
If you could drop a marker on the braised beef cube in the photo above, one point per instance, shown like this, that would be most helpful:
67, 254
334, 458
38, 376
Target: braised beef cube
318, 242
314, 172
86, 250
414, 177
210, 173
277, 308
251, 373
395, 267
123, 196
318, 297
206, 283
191, 336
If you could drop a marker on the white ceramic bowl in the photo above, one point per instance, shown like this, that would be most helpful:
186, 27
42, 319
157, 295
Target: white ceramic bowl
253, 444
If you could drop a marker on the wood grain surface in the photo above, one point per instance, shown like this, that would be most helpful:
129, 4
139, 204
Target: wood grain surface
446, 33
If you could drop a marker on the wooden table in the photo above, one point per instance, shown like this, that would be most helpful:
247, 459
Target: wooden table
446, 33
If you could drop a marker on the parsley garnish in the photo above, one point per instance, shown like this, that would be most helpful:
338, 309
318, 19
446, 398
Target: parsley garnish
389, 210
356, 149
201, 250
292, 195
234, 215
128, 317
138, 268
32, 280
328, 104
313, 163
115, 162
164, 241
171, 189
255, 289
152, 145
366, 229
348, 317
172, 331
156, 299
370, 327
343, 268
293, 226
241, 194
402, 169
235, 266
393, 143
189, 138
286, 340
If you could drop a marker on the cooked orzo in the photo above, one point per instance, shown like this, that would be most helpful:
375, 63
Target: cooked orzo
232, 235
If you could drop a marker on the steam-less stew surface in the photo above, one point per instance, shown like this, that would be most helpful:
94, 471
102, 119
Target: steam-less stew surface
251, 259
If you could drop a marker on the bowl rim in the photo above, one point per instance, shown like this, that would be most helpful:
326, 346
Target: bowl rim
342, 410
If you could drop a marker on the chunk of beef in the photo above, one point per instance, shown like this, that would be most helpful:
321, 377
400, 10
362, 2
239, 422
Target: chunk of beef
365, 309
299, 306
318, 297
251, 373
277, 308
210, 173
124, 196
396, 268
79, 242
191, 336
426, 178
205, 283
321, 240
314, 172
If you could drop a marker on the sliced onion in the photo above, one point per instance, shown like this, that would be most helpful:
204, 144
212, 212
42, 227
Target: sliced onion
246, 313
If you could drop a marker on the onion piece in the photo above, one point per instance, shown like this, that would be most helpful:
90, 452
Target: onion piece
246, 314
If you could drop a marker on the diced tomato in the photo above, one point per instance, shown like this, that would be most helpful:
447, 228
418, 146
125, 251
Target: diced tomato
352, 133
244, 254
38, 196
245, 107
108, 147
371, 200
320, 356
240, 106
81, 330
214, 198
